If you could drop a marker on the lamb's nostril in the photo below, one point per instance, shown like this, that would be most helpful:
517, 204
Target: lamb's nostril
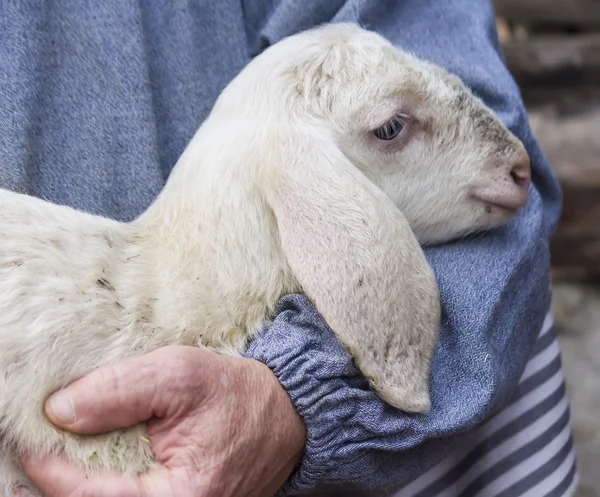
521, 174
520, 178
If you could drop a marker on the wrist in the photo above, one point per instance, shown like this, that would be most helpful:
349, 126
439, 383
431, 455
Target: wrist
288, 426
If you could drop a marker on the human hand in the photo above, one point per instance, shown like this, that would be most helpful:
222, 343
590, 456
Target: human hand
218, 426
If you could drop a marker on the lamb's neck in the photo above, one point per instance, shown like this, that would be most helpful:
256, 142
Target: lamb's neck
216, 264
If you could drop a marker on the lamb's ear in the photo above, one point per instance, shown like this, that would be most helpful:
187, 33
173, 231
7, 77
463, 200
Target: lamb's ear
356, 257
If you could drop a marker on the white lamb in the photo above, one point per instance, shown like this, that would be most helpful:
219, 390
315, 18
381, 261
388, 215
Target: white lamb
321, 169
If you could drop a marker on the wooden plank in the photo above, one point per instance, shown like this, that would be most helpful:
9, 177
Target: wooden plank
571, 144
575, 247
542, 56
573, 13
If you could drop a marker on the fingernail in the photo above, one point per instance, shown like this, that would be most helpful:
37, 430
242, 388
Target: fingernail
60, 407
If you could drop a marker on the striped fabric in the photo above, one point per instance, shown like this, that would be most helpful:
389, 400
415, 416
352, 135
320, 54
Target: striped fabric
524, 451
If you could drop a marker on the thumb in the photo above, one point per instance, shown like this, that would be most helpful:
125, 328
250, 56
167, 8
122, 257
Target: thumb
120, 395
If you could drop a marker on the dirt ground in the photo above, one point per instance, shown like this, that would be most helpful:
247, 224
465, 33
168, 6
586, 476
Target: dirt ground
577, 316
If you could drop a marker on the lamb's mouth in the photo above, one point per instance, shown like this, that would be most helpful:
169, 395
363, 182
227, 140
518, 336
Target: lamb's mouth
489, 208
505, 203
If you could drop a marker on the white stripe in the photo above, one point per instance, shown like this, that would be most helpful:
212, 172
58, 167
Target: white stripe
436, 472
527, 466
554, 480
533, 398
496, 423
541, 360
573, 487
508, 447
548, 323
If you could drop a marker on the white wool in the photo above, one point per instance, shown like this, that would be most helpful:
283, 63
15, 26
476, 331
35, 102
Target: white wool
283, 189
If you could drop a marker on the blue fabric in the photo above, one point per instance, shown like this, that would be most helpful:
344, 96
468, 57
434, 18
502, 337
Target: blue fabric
97, 101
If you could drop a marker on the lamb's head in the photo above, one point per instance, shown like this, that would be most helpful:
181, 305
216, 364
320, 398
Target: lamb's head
416, 131
447, 162
349, 147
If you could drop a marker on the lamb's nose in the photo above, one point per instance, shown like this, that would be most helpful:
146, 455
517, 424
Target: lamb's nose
521, 170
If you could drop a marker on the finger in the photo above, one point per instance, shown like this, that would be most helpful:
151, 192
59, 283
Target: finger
57, 478
123, 394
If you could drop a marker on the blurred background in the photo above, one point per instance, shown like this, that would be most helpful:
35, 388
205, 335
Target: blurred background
552, 48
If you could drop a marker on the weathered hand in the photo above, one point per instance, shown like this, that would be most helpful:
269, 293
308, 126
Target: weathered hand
218, 426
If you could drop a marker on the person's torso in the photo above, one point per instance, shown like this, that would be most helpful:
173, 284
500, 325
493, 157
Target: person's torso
98, 100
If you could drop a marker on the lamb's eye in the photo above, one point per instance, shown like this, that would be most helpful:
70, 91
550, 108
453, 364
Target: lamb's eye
391, 129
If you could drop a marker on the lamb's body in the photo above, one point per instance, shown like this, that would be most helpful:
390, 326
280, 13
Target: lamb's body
55, 265
80, 291
306, 199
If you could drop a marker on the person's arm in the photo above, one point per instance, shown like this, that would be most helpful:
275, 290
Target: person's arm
494, 288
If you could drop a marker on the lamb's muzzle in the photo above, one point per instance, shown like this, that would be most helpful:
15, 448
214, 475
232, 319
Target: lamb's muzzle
348, 154
511, 190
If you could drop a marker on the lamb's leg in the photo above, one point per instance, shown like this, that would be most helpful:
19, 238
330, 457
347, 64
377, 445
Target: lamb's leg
124, 451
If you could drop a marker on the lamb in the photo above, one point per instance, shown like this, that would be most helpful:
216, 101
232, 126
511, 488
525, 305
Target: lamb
322, 168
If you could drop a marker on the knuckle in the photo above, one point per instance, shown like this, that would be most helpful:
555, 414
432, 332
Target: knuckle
108, 379
182, 363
